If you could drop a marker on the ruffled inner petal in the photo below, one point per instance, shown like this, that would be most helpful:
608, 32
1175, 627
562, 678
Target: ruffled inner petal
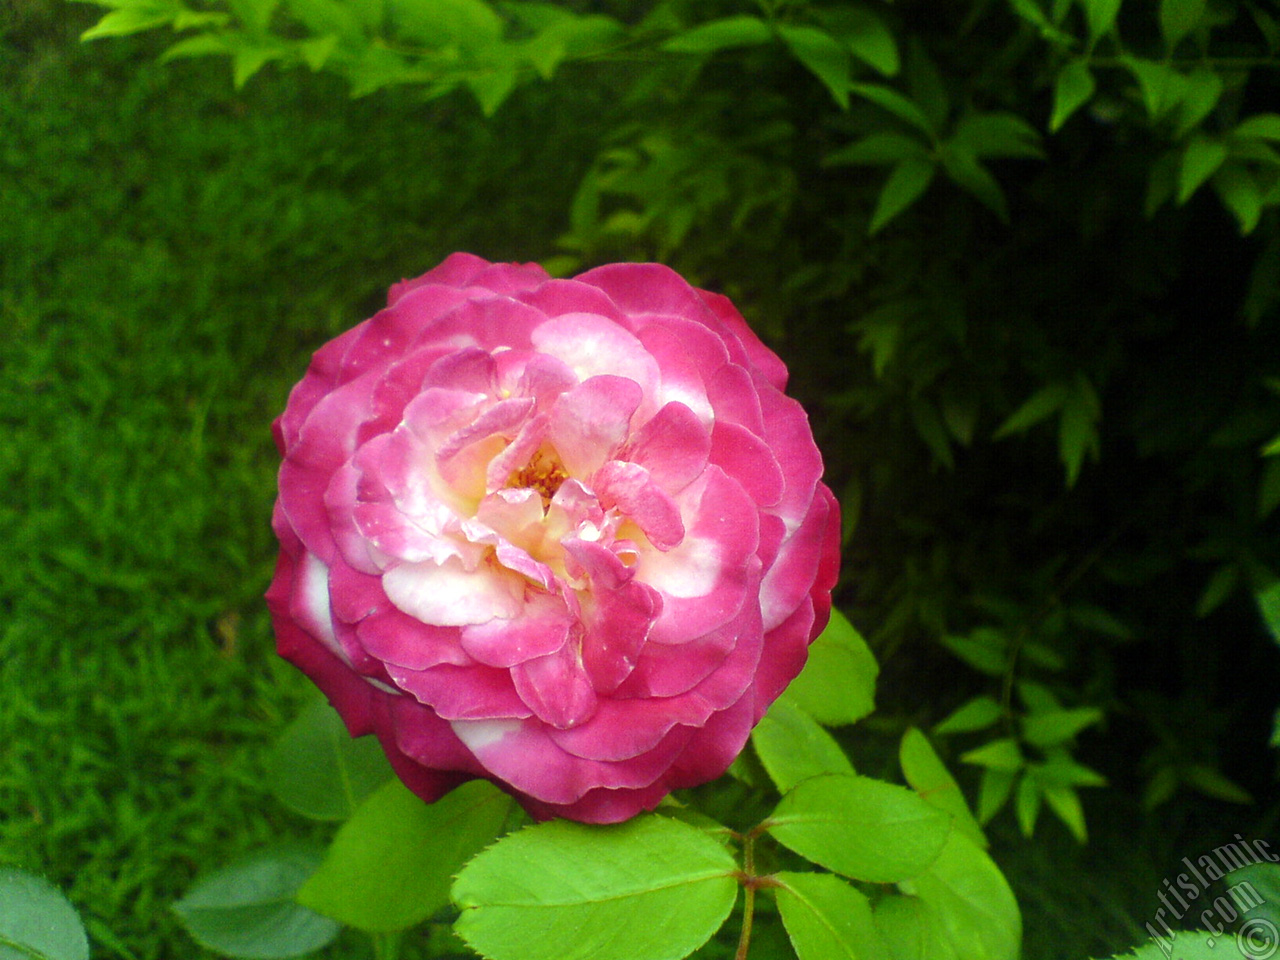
590, 422
450, 595
673, 446
556, 688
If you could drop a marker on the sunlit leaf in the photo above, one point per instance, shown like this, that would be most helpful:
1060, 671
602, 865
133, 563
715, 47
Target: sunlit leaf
391, 864
825, 57
1001, 754
929, 777
976, 714
859, 827
838, 683
826, 918
793, 747
648, 889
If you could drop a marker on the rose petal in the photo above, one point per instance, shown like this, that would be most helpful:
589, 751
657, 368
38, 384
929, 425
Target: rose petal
590, 422
449, 595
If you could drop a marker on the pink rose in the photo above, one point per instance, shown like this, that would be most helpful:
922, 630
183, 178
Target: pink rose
565, 535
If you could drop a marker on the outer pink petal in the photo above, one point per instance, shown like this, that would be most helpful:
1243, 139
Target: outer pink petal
622, 729
398, 640
647, 288
792, 575
746, 458
556, 688
473, 692
555, 298
760, 356
541, 630
592, 345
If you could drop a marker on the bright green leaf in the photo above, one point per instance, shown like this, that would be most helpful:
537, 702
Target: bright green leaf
1060, 770
838, 683
37, 921
1032, 12
911, 930
1178, 18
859, 827
327, 16
648, 889
1002, 754
318, 770
247, 908
879, 149
492, 87
906, 183
201, 45
1065, 802
131, 19
1201, 158
467, 24
930, 778
826, 58
1162, 86
1072, 89
248, 60
390, 865
793, 747
722, 34
826, 918
976, 714
1185, 945
972, 902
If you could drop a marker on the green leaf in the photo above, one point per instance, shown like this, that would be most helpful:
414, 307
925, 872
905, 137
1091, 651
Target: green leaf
879, 149
721, 34
976, 714
859, 827
492, 87
1027, 805
910, 930
390, 866
970, 902
1058, 726
894, 102
1212, 782
1002, 754
1185, 945
466, 24
247, 908
248, 59
648, 889
134, 18
201, 45
1162, 86
865, 34
985, 650
930, 778
906, 183
993, 792
792, 747
1101, 16
1065, 802
1178, 18
37, 921
838, 683
1201, 91
968, 173
824, 56
1220, 586
327, 16
1072, 89
1041, 405
254, 14
1240, 192
1201, 158
997, 135
1268, 600
1261, 126
318, 770
826, 918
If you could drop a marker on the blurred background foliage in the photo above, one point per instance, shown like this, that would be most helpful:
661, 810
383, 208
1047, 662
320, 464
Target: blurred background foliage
1022, 257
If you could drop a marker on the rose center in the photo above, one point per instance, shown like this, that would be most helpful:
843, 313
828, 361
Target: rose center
543, 473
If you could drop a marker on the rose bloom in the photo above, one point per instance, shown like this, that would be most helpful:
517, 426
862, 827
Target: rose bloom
565, 535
